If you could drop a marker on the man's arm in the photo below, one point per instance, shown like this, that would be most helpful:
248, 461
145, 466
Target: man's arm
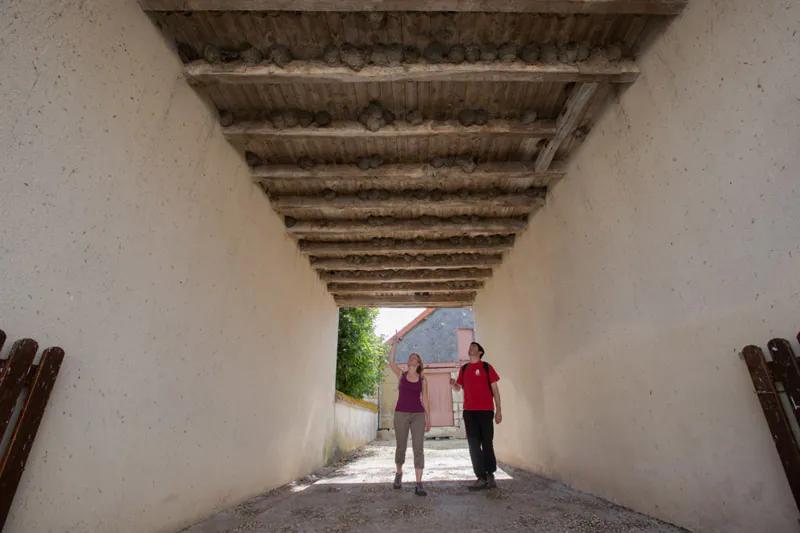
498, 414
454, 383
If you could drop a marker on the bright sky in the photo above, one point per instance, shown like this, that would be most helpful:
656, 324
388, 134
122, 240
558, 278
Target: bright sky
391, 320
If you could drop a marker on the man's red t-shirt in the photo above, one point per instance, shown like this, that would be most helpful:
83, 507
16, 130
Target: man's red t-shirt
477, 393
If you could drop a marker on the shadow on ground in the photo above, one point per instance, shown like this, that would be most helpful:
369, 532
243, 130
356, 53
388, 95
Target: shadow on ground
355, 495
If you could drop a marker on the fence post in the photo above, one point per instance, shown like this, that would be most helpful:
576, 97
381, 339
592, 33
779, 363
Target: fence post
26, 428
776, 418
13, 378
784, 369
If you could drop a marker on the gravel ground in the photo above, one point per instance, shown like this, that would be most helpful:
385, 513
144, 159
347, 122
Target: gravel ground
355, 495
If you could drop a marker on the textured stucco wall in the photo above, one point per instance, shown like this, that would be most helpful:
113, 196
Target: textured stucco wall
673, 242
356, 424
132, 236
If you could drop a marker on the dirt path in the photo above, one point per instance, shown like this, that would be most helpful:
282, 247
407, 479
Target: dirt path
356, 495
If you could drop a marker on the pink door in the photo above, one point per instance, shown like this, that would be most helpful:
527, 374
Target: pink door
441, 399
465, 336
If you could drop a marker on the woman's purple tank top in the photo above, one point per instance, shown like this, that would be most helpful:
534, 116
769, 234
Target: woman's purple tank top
409, 399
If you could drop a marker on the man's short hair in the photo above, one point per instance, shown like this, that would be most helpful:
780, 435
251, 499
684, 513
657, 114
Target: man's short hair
479, 348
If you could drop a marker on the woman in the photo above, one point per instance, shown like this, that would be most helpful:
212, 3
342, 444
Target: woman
412, 412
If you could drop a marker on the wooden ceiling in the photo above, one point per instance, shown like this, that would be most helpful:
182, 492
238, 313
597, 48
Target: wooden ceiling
407, 143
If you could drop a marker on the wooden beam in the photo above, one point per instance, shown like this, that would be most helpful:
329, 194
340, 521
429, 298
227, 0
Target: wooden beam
421, 286
314, 71
458, 299
406, 262
417, 226
633, 7
574, 109
402, 246
413, 171
383, 276
384, 199
344, 130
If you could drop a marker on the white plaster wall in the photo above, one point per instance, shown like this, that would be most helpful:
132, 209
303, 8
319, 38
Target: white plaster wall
355, 426
132, 236
673, 242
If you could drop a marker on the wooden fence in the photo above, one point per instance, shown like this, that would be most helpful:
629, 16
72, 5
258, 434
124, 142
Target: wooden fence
29, 385
777, 384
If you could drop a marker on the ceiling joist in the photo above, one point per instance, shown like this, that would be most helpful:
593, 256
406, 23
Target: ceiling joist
633, 7
417, 226
407, 171
419, 199
383, 276
314, 72
404, 262
344, 130
404, 246
405, 287
457, 299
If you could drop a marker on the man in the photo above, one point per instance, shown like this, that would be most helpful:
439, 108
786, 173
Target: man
481, 395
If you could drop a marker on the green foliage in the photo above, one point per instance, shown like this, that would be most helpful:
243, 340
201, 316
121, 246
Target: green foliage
360, 355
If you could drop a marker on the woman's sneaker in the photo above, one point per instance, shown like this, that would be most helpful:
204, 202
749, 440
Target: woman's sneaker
419, 491
479, 484
398, 481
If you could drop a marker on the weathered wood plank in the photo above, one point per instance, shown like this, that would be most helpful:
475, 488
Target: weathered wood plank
355, 203
345, 130
786, 370
412, 171
406, 262
316, 72
458, 299
400, 246
574, 109
638, 7
777, 420
2, 343
383, 276
305, 228
27, 426
402, 287
13, 379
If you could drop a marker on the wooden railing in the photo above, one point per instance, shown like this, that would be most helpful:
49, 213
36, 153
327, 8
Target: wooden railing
777, 384
27, 384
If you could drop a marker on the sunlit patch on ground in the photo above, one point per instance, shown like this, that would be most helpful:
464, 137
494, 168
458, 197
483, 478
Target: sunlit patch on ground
355, 495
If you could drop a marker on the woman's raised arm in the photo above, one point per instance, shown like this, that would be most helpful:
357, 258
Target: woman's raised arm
394, 366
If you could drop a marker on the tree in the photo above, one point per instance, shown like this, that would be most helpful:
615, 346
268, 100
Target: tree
360, 355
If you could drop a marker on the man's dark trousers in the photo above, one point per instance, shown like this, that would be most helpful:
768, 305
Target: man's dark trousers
480, 436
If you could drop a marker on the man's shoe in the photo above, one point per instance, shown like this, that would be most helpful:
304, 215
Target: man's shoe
398, 481
479, 484
490, 482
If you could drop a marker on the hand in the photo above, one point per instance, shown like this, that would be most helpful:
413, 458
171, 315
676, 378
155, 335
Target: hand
452, 382
498, 417
427, 425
